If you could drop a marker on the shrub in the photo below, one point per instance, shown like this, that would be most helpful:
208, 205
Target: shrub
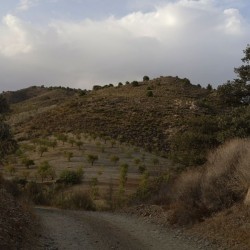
74, 200
92, 158
96, 87
186, 81
145, 78
36, 194
68, 155
79, 144
42, 150
70, 177
225, 181
141, 169
150, 93
189, 147
94, 190
209, 87
114, 159
123, 178
45, 170
28, 162
135, 83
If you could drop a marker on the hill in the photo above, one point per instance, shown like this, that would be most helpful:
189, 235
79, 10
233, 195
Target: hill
125, 113
167, 116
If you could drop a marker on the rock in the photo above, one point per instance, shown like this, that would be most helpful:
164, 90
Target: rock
247, 198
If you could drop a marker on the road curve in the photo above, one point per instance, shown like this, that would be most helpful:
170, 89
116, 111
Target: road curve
78, 230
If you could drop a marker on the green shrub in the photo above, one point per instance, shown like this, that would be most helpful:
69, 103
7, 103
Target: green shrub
141, 169
45, 170
92, 158
96, 87
70, 177
28, 162
150, 93
135, 83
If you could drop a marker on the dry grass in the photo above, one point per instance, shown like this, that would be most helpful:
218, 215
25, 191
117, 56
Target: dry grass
224, 182
230, 227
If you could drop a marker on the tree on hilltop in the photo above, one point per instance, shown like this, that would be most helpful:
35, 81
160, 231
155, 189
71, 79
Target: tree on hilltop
238, 91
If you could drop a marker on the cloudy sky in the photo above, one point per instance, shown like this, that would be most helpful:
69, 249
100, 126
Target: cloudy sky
79, 43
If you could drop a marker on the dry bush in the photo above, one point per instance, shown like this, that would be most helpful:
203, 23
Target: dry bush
186, 201
76, 199
227, 176
224, 181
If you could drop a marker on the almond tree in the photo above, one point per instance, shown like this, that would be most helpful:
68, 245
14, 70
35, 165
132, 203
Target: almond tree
92, 158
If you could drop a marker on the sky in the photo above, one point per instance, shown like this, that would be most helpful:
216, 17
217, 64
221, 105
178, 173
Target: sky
81, 43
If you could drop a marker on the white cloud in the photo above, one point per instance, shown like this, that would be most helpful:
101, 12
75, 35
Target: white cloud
193, 39
26, 4
13, 37
233, 21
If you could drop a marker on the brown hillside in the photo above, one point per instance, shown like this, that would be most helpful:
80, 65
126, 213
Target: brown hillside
124, 112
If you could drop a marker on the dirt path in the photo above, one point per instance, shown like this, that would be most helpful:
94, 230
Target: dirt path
104, 231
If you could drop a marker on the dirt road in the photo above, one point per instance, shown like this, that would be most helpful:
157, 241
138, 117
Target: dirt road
104, 231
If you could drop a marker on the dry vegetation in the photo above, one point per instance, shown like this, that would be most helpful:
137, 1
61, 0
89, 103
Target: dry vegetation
102, 180
149, 120
217, 195
17, 226
100, 147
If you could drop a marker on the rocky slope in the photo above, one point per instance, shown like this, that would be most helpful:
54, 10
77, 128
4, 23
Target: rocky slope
17, 223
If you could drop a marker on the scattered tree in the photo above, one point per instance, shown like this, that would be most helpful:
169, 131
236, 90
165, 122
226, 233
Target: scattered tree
71, 177
123, 178
113, 142
135, 83
45, 170
72, 141
68, 155
209, 87
10, 169
42, 150
27, 162
79, 144
92, 158
137, 161
114, 159
62, 137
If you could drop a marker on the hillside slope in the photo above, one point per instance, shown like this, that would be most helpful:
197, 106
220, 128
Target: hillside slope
124, 112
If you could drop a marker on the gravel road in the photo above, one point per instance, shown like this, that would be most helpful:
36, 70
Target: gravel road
80, 230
